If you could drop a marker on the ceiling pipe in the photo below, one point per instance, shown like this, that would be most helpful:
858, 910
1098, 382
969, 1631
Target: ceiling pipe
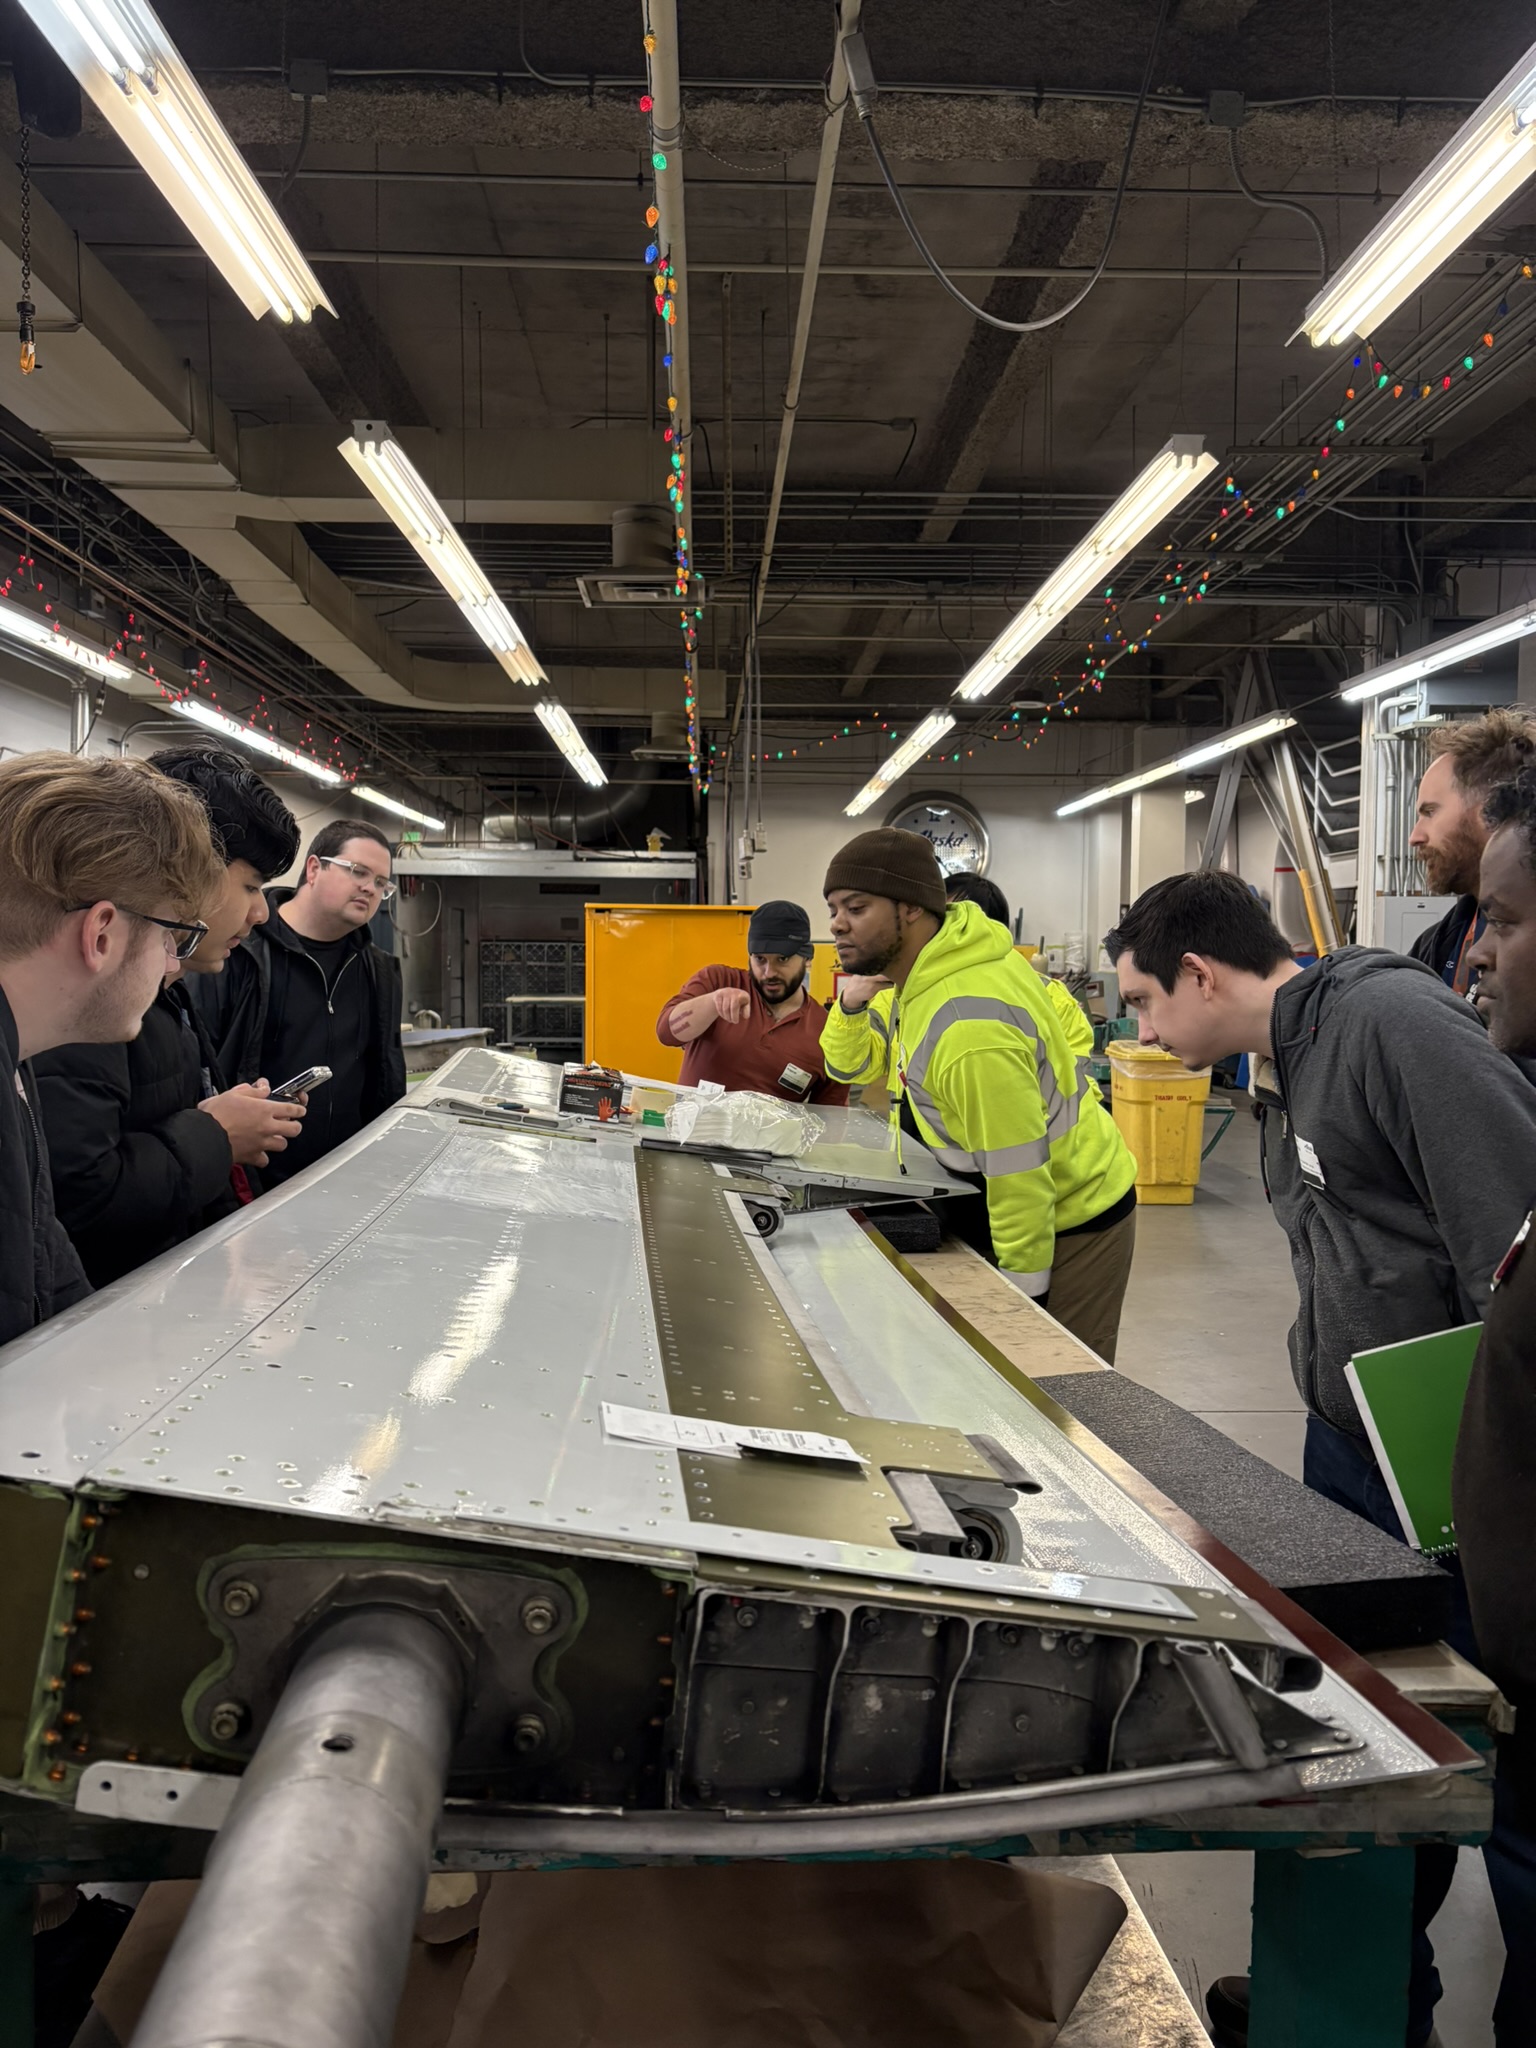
815, 239
660, 18
816, 235
574, 817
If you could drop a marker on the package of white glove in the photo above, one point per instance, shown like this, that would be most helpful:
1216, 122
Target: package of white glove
742, 1121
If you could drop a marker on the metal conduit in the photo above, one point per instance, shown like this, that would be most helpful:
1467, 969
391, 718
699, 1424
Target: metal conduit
660, 17
815, 239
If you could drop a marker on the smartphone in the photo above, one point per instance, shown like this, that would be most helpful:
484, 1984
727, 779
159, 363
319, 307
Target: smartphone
301, 1084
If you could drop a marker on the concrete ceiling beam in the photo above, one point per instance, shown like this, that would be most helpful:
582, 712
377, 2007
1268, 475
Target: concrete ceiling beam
110, 394
928, 127
351, 366
1499, 461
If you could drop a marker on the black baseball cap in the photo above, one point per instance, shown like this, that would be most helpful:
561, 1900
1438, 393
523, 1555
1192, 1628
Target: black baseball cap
779, 928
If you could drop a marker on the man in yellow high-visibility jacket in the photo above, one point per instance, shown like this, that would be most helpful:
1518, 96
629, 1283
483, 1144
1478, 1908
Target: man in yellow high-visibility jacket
959, 1027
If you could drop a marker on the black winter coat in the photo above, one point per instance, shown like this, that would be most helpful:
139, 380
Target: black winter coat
40, 1272
1494, 1494
1440, 946
270, 1015
137, 1166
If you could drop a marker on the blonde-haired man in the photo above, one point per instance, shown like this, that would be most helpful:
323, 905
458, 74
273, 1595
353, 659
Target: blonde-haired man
104, 867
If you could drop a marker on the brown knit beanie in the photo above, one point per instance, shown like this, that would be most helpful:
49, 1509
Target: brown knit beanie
901, 865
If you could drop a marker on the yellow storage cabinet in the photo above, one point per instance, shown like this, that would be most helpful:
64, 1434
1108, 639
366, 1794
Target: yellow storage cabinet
638, 954
1159, 1105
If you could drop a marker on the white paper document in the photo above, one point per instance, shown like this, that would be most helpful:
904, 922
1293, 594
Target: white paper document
720, 1439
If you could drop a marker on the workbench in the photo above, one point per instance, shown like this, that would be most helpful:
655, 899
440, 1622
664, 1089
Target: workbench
1340, 1856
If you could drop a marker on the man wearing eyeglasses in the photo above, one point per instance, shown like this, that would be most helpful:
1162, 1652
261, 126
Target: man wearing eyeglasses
104, 868
310, 989
146, 1143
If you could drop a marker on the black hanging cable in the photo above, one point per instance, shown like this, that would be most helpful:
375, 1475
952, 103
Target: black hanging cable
1286, 205
862, 85
532, 70
26, 312
300, 153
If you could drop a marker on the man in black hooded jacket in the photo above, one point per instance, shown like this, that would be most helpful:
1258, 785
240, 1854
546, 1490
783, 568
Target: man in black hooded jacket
146, 1143
309, 988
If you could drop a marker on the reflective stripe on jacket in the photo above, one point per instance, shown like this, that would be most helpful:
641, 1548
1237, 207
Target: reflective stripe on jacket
983, 1053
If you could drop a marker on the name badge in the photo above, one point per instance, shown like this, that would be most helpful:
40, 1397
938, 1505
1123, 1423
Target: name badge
796, 1079
1307, 1159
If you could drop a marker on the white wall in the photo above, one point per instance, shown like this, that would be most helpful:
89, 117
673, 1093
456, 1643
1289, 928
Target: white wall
1159, 827
1061, 873
1039, 861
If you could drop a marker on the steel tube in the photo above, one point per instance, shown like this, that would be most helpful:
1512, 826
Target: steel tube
672, 229
1219, 1697
815, 241
469, 1841
300, 1933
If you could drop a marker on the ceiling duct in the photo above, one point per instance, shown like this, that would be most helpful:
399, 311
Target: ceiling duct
574, 816
643, 569
668, 740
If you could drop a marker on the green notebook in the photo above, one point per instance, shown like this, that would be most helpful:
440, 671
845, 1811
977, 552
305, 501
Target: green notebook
1410, 1397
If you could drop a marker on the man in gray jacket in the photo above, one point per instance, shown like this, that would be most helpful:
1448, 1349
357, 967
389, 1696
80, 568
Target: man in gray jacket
1369, 1077
1399, 1154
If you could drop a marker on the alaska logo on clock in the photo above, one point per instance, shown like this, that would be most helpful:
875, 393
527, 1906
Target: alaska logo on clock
956, 832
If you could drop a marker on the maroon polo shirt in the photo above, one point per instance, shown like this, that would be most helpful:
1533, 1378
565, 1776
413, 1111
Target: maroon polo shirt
756, 1053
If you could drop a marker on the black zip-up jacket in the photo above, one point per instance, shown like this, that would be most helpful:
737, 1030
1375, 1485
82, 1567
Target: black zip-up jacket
40, 1272
137, 1166
270, 1014
1399, 1153
1440, 947
1494, 1493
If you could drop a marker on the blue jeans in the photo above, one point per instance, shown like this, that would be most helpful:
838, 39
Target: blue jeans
1341, 1468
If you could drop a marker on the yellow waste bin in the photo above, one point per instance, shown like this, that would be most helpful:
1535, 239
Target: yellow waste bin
1159, 1105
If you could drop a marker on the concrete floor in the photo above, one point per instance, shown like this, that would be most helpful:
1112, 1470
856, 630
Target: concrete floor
1211, 1298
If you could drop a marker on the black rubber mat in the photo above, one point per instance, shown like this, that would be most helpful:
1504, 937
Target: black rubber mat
1372, 1591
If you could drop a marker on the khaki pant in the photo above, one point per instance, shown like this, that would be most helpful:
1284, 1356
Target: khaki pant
1088, 1279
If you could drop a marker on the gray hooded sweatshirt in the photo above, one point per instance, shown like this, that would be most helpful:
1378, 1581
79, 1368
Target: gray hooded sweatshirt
1399, 1154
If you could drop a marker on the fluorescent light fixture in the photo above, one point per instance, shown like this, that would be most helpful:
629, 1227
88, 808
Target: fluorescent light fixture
1489, 157
1447, 653
1165, 482
247, 736
1194, 796
402, 490
123, 57
387, 803
16, 623
906, 755
561, 727
1227, 743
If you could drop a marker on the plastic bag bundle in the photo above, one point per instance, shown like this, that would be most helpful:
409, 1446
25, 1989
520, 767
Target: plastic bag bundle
743, 1121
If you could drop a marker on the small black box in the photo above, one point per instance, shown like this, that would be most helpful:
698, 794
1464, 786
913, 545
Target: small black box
585, 1090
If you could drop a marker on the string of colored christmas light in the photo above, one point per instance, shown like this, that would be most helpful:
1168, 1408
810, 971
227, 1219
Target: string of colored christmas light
1190, 578
258, 718
132, 644
675, 436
